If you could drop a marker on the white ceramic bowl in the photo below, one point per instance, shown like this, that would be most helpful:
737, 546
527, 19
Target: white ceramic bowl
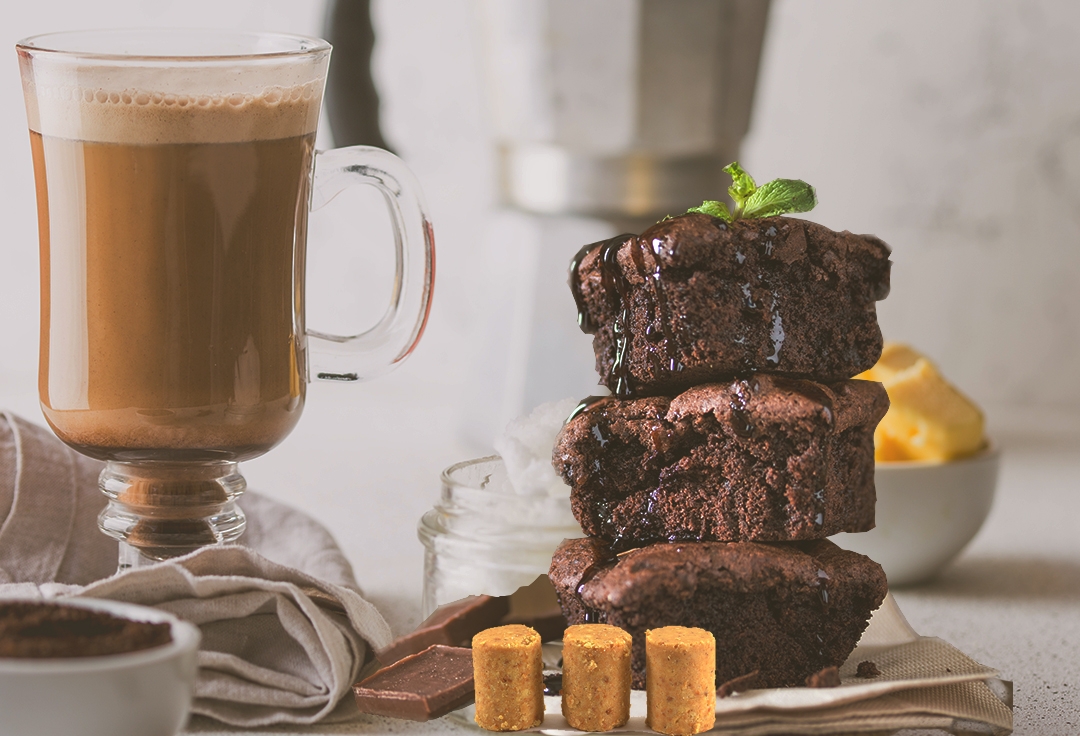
926, 514
146, 693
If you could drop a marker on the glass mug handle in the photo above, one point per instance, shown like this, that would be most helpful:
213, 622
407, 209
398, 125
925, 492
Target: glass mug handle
379, 349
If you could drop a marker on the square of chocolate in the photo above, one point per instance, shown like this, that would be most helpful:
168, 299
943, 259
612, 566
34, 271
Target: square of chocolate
451, 624
419, 687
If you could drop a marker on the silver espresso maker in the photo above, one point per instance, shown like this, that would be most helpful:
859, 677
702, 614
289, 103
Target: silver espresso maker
607, 115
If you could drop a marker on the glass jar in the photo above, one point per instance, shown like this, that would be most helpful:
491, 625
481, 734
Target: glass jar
482, 538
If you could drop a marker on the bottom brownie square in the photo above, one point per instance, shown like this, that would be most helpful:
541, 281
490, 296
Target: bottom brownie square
785, 610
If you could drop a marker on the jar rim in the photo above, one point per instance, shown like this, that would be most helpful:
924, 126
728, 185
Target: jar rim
448, 478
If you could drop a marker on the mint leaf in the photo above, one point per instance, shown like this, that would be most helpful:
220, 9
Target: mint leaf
714, 208
742, 185
780, 197
777, 197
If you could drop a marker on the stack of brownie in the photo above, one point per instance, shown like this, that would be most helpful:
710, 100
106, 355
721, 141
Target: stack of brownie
733, 444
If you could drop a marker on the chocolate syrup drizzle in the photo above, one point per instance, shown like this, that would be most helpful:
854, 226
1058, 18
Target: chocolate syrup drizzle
672, 365
592, 615
617, 292
585, 405
584, 321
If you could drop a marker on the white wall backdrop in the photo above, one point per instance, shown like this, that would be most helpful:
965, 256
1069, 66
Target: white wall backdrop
952, 130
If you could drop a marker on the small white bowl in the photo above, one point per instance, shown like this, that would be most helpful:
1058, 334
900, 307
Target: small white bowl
147, 692
926, 514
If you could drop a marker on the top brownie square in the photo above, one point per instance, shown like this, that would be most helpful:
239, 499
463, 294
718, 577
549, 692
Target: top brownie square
694, 299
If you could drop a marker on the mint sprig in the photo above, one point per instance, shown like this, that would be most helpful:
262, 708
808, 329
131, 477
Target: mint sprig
714, 208
742, 184
777, 197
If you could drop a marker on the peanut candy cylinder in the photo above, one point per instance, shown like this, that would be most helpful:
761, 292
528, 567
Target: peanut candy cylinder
596, 677
680, 680
508, 674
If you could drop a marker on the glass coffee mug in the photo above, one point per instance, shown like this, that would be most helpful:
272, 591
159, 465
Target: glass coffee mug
175, 171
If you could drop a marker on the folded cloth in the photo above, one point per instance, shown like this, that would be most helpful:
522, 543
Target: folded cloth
285, 628
49, 501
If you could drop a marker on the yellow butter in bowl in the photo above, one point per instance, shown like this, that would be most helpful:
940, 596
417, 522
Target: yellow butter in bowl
928, 419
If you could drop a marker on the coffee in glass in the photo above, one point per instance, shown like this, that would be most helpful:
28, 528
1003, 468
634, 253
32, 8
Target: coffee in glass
174, 179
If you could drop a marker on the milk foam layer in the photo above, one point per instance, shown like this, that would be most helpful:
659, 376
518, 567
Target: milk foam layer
137, 117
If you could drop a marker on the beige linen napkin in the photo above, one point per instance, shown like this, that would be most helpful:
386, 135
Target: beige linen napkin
283, 640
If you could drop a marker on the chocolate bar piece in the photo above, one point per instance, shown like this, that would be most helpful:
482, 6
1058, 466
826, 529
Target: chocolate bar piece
452, 624
550, 625
455, 624
421, 686
536, 606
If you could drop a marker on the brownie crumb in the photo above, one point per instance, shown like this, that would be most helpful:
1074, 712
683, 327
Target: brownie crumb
867, 669
553, 683
737, 685
49, 630
825, 677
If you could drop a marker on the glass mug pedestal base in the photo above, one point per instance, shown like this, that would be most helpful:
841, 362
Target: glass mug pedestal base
162, 510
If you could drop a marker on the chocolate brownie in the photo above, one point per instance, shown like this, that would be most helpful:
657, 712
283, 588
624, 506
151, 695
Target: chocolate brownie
786, 610
762, 458
694, 299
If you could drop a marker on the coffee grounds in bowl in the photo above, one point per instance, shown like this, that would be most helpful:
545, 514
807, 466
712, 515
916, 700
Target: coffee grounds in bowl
48, 630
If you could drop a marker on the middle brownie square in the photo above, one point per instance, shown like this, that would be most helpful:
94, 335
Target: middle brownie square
763, 458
